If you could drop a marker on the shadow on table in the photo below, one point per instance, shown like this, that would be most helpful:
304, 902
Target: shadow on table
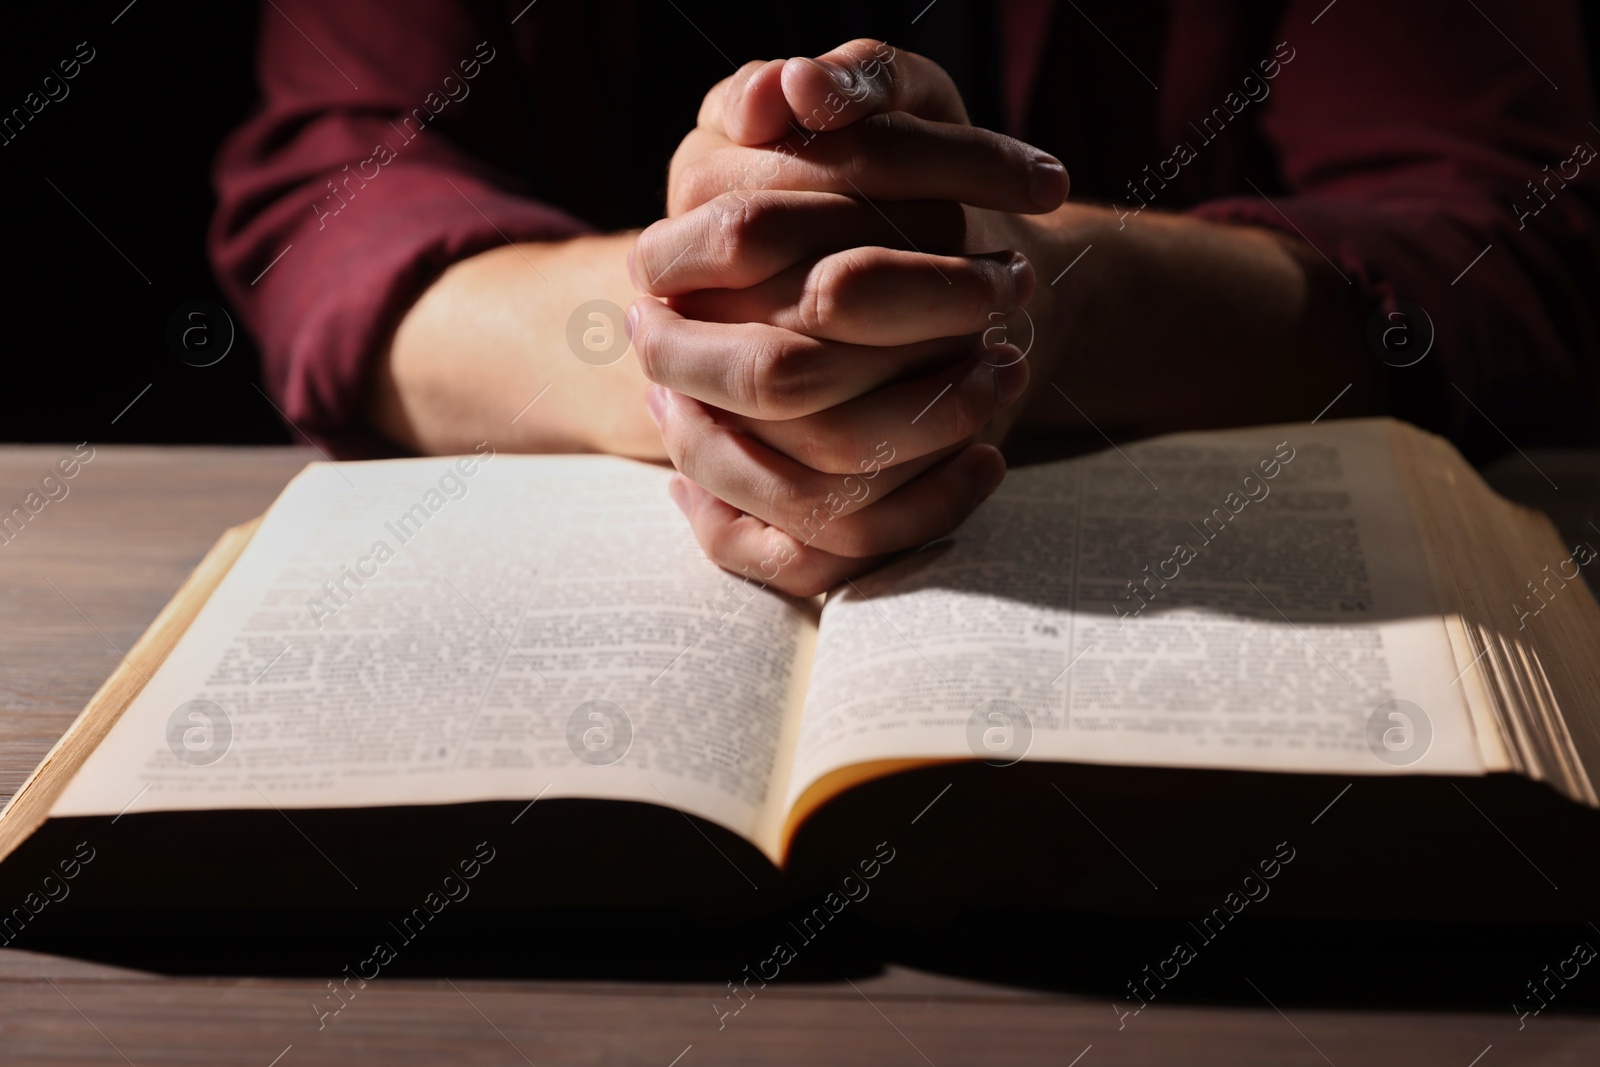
1154, 885
1125, 960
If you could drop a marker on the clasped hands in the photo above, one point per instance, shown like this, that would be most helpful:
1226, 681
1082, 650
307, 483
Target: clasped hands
839, 245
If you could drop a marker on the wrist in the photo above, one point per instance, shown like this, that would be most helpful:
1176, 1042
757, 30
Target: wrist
1072, 252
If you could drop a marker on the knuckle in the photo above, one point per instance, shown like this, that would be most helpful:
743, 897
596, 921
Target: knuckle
809, 518
743, 220
828, 445
778, 383
684, 191
837, 520
697, 182
817, 306
769, 492
973, 404
835, 290
802, 585
856, 537
694, 456
647, 253
805, 450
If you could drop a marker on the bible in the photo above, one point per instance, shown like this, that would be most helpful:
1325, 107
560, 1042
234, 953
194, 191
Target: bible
402, 651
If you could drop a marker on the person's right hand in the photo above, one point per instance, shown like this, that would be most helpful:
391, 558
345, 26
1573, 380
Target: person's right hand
811, 330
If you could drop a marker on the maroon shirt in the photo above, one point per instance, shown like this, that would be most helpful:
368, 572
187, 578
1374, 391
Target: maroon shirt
1401, 140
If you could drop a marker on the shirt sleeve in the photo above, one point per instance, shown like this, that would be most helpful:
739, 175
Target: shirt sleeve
1442, 155
384, 149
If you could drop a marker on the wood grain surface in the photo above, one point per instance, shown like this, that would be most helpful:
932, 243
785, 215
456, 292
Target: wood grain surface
90, 571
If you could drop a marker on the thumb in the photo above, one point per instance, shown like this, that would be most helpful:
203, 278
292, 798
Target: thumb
753, 108
867, 77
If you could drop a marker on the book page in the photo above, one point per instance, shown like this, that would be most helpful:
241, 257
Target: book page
447, 630
1250, 600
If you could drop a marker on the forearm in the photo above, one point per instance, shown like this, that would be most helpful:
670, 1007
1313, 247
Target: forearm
1169, 323
490, 335
1178, 323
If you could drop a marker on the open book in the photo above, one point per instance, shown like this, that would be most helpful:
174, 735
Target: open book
1347, 599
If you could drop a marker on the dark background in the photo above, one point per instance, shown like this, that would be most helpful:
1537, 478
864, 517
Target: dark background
130, 147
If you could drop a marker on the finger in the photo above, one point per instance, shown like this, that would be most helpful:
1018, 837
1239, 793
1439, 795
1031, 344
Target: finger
885, 157
867, 77
748, 475
876, 296
923, 510
920, 417
751, 549
742, 238
714, 102
748, 105
765, 372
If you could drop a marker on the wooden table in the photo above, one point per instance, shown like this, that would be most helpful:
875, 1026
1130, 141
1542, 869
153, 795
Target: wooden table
91, 570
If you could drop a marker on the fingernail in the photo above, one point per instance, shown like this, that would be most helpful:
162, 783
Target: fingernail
655, 402
1010, 380
678, 489
1022, 278
630, 321
1047, 184
844, 76
633, 273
